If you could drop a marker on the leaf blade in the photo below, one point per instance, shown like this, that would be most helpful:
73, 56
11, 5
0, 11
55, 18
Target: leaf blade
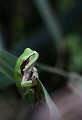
7, 64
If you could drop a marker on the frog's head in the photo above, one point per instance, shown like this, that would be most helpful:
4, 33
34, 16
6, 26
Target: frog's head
28, 58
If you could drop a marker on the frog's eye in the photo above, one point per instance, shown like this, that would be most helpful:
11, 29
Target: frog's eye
32, 57
24, 63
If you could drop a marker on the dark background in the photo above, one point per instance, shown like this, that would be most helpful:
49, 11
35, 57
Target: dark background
54, 29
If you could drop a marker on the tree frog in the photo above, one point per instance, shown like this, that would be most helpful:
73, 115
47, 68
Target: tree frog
26, 74
28, 83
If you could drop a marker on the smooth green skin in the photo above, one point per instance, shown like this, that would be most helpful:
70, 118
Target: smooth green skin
18, 76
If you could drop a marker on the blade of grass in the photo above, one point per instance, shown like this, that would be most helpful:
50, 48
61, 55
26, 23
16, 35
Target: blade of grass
51, 69
54, 113
7, 63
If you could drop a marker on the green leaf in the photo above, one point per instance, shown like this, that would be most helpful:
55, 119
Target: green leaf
7, 64
54, 113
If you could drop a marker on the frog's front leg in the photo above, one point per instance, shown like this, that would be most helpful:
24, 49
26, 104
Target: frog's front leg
29, 78
26, 83
35, 74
